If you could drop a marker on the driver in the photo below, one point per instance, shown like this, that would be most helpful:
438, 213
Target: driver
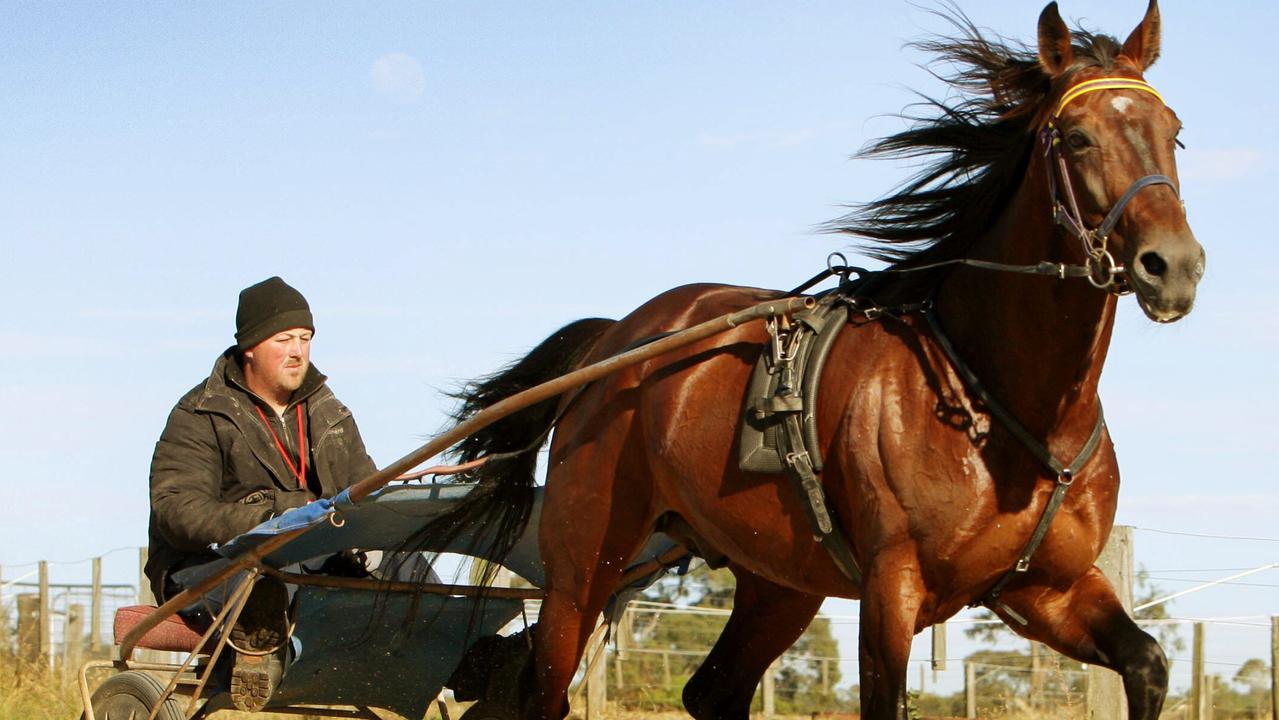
262, 434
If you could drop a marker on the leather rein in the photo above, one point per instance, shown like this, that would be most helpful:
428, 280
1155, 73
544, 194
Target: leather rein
1100, 269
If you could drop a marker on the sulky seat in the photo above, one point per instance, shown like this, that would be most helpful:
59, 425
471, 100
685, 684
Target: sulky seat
174, 634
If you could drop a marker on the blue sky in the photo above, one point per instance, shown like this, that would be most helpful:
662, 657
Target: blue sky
449, 182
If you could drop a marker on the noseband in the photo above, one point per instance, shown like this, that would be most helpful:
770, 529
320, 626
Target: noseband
1103, 271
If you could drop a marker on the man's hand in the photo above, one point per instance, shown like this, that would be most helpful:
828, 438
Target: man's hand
287, 500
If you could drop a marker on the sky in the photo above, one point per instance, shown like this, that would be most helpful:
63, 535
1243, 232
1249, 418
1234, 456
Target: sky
449, 182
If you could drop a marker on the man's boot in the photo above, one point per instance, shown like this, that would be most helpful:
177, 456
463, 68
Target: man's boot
260, 639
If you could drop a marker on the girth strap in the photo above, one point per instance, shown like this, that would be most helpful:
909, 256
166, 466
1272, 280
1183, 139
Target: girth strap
1065, 474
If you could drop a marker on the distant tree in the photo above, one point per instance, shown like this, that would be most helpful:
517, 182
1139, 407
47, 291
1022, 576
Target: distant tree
1254, 677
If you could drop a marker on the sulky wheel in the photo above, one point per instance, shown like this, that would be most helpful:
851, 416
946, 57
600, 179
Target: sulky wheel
132, 695
489, 710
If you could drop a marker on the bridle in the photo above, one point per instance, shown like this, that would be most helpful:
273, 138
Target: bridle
1103, 271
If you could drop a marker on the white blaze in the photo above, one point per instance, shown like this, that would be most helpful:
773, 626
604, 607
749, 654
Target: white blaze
1121, 104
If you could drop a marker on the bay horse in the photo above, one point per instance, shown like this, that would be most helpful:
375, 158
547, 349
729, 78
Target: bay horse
1057, 157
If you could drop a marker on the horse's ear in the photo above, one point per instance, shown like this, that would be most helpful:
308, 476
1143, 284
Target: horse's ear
1055, 51
1142, 46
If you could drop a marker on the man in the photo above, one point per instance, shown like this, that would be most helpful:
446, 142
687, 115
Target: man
263, 434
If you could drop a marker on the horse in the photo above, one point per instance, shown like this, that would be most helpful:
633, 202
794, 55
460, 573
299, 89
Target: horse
953, 400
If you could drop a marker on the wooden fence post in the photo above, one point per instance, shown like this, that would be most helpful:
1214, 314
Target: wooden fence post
596, 691
1197, 674
95, 611
1274, 667
46, 618
73, 638
145, 596
1036, 677
29, 629
770, 701
1105, 699
939, 648
970, 690
4, 619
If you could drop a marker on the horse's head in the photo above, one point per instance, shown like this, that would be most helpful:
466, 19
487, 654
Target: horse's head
1114, 168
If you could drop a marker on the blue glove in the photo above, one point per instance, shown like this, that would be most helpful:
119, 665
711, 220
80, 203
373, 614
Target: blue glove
295, 518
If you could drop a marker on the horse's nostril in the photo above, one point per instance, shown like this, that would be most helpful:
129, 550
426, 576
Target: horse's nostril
1154, 264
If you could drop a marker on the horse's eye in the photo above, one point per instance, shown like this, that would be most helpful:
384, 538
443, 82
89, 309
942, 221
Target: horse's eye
1077, 140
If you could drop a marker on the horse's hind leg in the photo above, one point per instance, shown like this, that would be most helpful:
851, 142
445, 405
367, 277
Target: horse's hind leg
1088, 623
766, 620
593, 521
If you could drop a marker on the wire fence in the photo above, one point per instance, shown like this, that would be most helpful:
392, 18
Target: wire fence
657, 646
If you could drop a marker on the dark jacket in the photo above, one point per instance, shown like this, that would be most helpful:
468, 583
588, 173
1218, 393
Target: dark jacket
217, 472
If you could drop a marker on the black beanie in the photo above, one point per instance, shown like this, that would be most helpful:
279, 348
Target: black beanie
266, 309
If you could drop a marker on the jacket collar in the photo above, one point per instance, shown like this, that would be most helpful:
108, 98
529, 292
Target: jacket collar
227, 380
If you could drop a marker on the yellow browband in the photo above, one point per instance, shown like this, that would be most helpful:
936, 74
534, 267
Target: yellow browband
1111, 83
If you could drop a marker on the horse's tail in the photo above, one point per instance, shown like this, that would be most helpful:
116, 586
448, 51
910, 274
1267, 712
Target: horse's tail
502, 500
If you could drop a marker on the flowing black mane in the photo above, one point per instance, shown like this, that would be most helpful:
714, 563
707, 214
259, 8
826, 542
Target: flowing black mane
976, 147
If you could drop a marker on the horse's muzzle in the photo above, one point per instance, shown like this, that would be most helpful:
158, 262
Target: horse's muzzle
1164, 275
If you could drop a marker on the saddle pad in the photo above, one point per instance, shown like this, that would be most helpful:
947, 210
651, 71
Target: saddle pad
172, 635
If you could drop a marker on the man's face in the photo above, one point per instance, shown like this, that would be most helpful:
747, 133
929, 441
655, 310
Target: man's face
279, 363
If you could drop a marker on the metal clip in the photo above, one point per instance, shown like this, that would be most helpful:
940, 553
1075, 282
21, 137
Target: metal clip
793, 459
1066, 478
1023, 564
336, 519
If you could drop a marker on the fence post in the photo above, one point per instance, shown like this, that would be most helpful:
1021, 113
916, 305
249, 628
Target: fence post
1274, 667
1197, 674
1036, 675
29, 629
46, 617
73, 638
770, 703
4, 618
145, 596
1106, 699
95, 611
939, 648
596, 679
970, 690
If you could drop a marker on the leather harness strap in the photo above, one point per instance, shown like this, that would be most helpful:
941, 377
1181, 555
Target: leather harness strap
1065, 474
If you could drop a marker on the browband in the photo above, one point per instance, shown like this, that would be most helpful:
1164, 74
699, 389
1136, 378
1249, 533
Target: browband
1111, 83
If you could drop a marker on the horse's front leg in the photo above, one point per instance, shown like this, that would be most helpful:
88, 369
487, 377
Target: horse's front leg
1088, 623
891, 595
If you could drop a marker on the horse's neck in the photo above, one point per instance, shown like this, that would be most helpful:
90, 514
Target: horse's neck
1037, 343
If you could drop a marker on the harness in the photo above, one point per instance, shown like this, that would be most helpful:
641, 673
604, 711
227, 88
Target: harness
779, 431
